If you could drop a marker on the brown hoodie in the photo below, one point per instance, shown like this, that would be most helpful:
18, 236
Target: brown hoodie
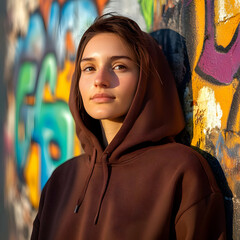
143, 186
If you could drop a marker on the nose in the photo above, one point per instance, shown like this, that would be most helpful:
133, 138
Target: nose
103, 78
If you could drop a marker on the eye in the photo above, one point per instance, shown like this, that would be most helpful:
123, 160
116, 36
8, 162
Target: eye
88, 69
119, 67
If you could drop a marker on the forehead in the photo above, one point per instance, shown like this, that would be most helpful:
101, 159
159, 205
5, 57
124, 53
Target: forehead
108, 44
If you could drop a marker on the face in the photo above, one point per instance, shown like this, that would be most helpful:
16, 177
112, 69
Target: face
109, 77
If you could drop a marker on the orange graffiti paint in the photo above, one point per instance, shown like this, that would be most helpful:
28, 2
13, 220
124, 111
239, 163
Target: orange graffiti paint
69, 43
54, 151
44, 7
30, 100
100, 5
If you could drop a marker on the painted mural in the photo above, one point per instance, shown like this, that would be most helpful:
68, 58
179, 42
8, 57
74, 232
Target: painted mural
201, 40
42, 134
216, 90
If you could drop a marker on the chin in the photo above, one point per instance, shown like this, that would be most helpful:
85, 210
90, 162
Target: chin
111, 117
101, 114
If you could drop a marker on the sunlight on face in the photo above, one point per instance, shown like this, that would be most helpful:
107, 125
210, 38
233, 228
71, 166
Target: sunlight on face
109, 77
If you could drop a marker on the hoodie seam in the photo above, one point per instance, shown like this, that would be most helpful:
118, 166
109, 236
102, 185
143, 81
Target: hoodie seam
194, 204
123, 162
205, 170
129, 159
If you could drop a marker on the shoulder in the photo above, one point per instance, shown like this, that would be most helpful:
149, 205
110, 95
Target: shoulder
185, 156
184, 165
67, 172
71, 164
196, 179
179, 154
195, 163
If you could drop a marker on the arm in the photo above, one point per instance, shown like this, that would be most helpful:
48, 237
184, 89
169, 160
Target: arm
203, 220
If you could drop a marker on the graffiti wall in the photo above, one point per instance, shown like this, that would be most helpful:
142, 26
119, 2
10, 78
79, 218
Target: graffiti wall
201, 40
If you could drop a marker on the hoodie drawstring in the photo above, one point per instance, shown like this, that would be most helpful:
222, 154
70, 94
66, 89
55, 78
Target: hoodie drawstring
104, 187
105, 183
82, 195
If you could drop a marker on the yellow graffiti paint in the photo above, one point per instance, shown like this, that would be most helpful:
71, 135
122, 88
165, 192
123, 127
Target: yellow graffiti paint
32, 174
47, 94
64, 81
227, 18
77, 146
198, 138
158, 7
199, 31
223, 94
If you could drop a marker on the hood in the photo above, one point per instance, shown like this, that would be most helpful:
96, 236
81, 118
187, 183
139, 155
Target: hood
155, 113
155, 117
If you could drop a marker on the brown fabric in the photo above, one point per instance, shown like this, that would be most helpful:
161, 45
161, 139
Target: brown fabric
143, 185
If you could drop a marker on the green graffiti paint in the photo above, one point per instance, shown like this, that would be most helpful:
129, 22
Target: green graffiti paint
148, 12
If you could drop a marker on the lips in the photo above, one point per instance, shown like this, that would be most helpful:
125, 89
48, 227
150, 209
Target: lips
102, 98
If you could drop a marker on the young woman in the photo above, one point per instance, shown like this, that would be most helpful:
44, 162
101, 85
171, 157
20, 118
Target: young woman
134, 182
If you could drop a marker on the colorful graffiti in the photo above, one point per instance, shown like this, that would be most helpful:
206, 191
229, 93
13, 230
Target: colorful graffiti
218, 73
211, 31
44, 126
214, 55
216, 80
201, 40
44, 133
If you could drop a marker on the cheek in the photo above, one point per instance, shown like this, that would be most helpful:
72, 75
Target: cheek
131, 87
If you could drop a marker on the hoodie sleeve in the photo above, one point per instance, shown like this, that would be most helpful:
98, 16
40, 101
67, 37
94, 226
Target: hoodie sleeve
203, 220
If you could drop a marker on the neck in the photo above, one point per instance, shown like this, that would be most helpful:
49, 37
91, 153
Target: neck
110, 129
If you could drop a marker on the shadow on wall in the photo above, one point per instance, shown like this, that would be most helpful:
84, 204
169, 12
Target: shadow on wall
175, 50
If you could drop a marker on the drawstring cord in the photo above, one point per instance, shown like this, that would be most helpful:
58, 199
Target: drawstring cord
80, 200
105, 183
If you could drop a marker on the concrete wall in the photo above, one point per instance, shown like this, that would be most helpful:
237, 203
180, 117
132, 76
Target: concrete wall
202, 43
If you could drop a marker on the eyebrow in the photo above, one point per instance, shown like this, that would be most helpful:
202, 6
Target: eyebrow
111, 58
